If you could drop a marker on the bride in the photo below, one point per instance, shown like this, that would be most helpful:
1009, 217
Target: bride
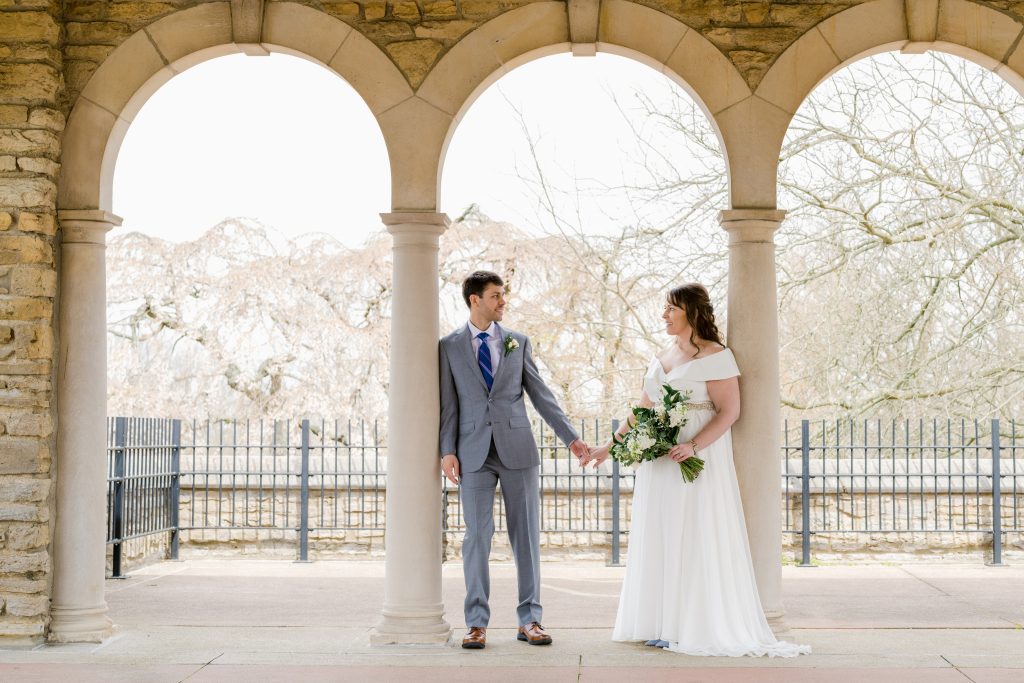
689, 583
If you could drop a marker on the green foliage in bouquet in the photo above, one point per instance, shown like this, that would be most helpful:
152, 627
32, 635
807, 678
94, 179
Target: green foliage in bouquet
655, 432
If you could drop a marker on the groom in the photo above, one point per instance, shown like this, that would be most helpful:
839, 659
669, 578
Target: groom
486, 439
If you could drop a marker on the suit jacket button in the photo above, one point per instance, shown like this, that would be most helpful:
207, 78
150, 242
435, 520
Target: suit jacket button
488, 424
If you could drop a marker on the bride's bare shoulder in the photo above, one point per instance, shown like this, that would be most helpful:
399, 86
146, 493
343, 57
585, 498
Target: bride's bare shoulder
711, 349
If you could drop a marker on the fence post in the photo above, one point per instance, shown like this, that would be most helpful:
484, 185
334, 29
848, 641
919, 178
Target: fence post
175, 496
616, 507
304, 496
805, 494
117, 523
997, 508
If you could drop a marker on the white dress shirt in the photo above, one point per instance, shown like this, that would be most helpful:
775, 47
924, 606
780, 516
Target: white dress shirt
493, 344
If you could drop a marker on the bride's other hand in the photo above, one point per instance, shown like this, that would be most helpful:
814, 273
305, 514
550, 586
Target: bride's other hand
681, 452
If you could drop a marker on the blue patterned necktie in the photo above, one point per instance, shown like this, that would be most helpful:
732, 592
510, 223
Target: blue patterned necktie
483, 357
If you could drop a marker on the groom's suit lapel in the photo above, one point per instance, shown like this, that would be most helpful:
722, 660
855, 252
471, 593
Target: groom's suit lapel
504, 358
465, 343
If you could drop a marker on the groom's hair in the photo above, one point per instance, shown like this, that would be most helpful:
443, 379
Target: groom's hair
477, 282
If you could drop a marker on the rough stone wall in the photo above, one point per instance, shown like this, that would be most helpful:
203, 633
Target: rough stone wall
751, 34
30, 127
416, 34
94, 29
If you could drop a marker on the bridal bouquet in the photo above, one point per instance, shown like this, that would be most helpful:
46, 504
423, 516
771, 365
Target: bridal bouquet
655, 432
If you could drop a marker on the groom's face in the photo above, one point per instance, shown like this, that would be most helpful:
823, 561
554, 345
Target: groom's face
491, 305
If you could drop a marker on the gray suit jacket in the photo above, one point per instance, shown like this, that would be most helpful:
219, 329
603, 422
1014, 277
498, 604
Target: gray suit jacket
471, 416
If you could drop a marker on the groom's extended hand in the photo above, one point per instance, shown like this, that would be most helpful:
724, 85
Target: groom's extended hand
579, 449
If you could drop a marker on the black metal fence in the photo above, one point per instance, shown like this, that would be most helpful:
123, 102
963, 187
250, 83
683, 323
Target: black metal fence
143, 476
297, 480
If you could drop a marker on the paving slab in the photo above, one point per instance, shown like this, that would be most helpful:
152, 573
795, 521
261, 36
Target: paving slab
245, 620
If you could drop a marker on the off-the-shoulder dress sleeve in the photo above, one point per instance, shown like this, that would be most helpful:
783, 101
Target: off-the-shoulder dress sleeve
721, 365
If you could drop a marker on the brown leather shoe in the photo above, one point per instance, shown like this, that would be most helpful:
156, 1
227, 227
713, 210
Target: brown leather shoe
475, 638
534, 634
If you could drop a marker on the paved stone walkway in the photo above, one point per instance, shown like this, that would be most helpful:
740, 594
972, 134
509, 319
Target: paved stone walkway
253, 621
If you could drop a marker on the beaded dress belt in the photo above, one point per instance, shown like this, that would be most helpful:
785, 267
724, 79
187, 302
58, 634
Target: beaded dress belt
703, 405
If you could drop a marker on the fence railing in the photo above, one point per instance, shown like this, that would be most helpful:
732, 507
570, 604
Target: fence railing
143, 477
303, 481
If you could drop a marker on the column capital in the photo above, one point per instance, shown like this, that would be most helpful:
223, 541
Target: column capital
416, 221
86, 226
751, 225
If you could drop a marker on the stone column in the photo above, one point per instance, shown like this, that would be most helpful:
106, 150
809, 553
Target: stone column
79, 610
413, 612
753, 335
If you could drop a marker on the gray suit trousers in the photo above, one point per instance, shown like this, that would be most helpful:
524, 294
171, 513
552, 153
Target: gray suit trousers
520, 490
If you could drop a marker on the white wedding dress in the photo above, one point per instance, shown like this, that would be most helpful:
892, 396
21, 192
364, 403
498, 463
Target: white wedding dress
689, 578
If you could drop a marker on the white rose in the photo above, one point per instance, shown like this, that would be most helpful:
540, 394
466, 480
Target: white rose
677, 416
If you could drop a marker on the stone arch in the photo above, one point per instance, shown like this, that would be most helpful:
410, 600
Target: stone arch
531, 32
758, 125
152, 56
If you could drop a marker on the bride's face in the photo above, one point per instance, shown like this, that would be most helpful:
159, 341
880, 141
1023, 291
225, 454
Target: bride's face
675, 320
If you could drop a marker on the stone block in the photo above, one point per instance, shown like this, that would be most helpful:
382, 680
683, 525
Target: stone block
24, 512
28, 537
24, 249
21, 489
27, 192
40, 344
384, 32
372, 10
89, 53
77, 74
371, 73
482, 9
25, 309
21, 605
13, 114
342, 10
28, 424
288, 24
138, 13
33, 281
43, 223
440, 9
861, 28
37, 52
639, 28
97, 32
714, 79
29, 27
6, 220
46, 118
39, 165
28, 82
84, 11
408, 11
415, 57
29, 142
22, 456
124, 74
8, 164
445, 30
980, 28
20, 584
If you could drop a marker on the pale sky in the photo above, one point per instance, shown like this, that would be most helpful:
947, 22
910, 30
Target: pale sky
287, 142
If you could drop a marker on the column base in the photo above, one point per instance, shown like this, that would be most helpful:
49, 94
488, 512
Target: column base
80, 625
411, 627
777, 622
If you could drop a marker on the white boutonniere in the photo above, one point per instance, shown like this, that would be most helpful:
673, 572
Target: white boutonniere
510, 344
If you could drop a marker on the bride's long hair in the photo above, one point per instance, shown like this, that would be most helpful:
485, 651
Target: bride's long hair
693, 298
